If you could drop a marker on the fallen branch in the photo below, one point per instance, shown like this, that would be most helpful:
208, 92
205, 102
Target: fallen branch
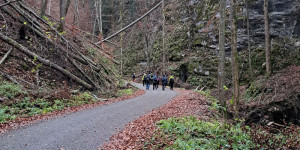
83, 73
44, 61
8, 77
5, 56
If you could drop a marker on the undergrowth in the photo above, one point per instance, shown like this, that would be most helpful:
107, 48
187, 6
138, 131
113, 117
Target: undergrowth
189, 133
28, 107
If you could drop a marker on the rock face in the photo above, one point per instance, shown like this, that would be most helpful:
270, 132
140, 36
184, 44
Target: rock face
284, 19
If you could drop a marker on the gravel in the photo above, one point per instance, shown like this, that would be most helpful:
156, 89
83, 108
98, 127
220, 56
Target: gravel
87, 129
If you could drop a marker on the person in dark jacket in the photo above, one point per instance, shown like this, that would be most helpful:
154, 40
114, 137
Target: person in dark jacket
154, 80
158, 80
133, 77
164, 81
147, 80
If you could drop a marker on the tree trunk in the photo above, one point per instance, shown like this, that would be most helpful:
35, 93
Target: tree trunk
267, 39
234, 55
44, 7
147, 52
76, 14
121, 41
49, 7
249, 44
163, 36
221, 74
64, 6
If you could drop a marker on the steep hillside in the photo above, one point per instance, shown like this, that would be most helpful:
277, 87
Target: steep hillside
192, 40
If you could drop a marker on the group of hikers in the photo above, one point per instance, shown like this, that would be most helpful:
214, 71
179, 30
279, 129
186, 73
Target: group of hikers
152, 78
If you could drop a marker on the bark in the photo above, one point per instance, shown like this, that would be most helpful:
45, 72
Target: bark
267, 39
44, 61
44, 7
64, 6
234, 55
221, 74
249, 44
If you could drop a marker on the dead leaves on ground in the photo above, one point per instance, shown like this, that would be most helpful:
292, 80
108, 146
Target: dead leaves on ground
136, 133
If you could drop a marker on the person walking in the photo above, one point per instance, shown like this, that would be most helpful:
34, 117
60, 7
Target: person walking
158, 80
154, 79
144, 79
171, 82
133, 77
147, 81
164, 81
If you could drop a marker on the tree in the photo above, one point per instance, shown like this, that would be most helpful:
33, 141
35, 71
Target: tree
267, 39
64, 6
221, 74
248, 35
163, 36
234, 55
44, 7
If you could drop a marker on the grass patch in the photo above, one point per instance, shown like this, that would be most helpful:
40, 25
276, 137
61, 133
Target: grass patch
125, 92
189, 133
28, 107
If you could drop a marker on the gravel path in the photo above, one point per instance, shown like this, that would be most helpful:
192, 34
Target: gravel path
84, 130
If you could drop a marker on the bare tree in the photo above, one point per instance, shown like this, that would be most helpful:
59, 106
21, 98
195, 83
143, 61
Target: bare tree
221, 75
64, 6
234, 55
267, 39
249, 44
76, 13
44, 7
163, 36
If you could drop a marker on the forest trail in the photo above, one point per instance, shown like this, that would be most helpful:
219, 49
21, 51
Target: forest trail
87, 129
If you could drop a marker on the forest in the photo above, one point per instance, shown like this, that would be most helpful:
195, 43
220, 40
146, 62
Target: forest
72, 74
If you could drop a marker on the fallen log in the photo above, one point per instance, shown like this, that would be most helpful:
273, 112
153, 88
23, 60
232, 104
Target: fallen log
8, 77
9, 2
5, 56
44, 61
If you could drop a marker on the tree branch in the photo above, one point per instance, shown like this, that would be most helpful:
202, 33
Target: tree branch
7, 3
131, 24
5, 56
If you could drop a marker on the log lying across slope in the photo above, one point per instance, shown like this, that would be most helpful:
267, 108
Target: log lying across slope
44, 61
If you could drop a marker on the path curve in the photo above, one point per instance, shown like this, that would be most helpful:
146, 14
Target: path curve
86, 129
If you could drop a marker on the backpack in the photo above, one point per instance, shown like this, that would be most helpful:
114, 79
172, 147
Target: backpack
154, 78
147, 78
172, 80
